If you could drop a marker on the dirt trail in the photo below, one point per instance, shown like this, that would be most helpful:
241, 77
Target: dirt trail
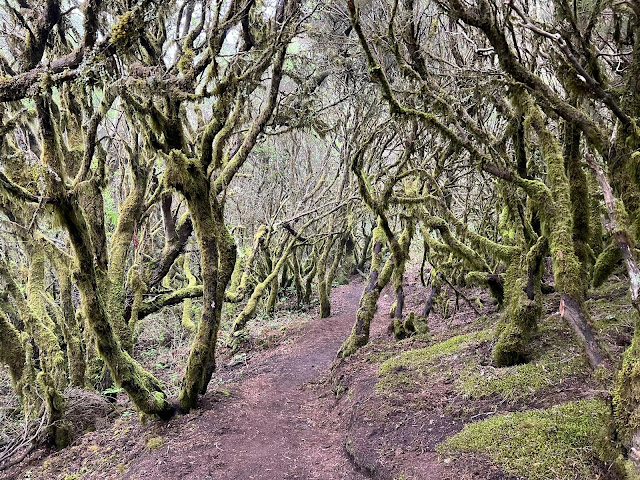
277, 423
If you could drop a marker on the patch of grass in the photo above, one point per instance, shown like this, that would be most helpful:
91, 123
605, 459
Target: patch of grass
565, 441
423, 357
556, 356
378, 357
610, 307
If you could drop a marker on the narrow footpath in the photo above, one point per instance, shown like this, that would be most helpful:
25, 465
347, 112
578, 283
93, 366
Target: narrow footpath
276, 423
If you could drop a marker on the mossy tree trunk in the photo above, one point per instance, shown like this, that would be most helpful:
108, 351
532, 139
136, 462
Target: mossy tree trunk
418, 323
65, 311
309, 276
129, 216
626, 395
349, 263
144, 390
250, 309
555, 211
237, 294
39, 324
52, 376
595, 221
321, 274
606, 263
272, 299
579, 197
217, 260
187, 307
325, 275
297, 277
203, 181
361, 261
523, 306
379, 277
71, 330
324, 272
14, 355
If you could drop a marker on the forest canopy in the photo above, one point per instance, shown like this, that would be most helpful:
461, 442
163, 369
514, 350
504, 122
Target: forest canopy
212, 155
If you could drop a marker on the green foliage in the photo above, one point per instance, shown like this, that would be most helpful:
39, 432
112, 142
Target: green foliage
112, 390
110, 211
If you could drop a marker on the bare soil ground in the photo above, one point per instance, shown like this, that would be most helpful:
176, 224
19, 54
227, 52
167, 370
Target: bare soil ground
394, 436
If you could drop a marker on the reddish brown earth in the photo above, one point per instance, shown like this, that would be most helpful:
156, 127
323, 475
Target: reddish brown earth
277, 424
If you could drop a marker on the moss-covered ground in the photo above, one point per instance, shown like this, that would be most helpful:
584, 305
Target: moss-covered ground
563, 441
555, 360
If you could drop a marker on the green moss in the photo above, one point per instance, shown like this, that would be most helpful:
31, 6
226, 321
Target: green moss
379, 357
236, 276
564, 441
187, 307
459, 249
606, 264
555, 353
250, 309
412, 325
612, 312
186, 60
393, 370
626, 395
520, 381
554, 208
12, 352
579, 196
39, 323
521, 316
125, 30
155, 443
